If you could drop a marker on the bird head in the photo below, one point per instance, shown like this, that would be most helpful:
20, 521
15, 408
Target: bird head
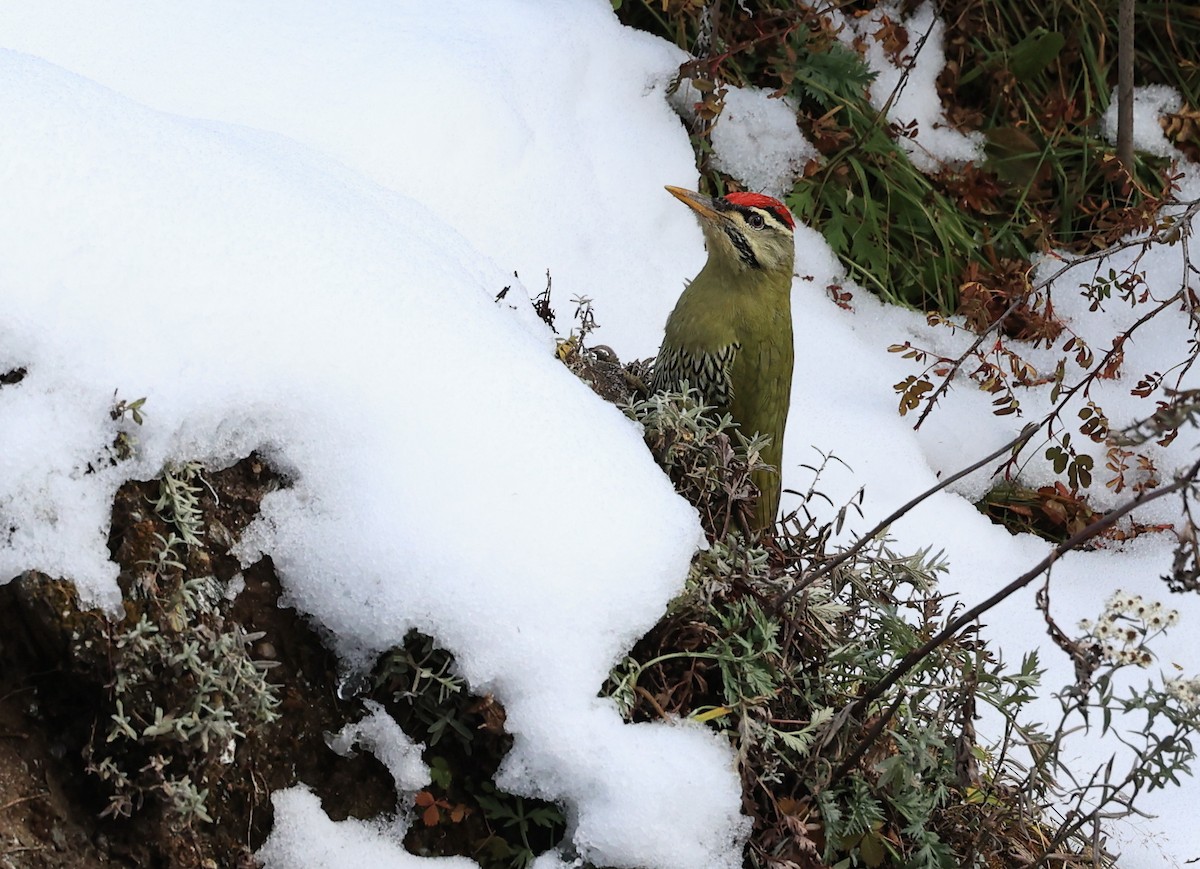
747, 231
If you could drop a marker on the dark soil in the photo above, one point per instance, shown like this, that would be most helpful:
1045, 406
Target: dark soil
56, 697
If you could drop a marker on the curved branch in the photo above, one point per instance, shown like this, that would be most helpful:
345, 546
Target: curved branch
909, 661
805, 581
1180, 228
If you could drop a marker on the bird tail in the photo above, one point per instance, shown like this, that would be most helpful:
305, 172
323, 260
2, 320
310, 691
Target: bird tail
767, 481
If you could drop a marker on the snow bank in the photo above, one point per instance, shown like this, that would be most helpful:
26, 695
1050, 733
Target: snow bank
286, 231
449, 473
536, 128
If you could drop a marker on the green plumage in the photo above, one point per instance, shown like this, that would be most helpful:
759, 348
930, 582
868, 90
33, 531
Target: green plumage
730, 337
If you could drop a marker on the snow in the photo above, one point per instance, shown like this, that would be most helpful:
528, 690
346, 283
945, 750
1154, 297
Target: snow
905, 86
285, 225
379, 734
304, 837
1149, 104
766, 149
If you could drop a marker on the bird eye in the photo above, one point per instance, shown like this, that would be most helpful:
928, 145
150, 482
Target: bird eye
756, 221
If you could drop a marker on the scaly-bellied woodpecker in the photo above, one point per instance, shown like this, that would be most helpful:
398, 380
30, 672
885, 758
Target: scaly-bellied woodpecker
730, 335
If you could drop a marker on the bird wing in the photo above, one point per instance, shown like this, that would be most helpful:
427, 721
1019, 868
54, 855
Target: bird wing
763, 374
708, 371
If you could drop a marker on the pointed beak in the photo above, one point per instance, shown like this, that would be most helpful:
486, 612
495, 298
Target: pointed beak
698, 202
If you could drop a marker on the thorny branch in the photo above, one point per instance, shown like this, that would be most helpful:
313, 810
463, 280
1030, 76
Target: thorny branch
1177, 231
805, 581
909, 661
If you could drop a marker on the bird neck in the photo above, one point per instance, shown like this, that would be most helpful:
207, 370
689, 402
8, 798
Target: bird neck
741, 285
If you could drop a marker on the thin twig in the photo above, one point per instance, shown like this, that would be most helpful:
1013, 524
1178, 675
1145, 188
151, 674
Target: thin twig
868, 738
827, 568
909, 661
650, 698
20, 800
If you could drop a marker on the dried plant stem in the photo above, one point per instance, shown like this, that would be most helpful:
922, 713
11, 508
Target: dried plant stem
832, 565
1125, 85
909, 661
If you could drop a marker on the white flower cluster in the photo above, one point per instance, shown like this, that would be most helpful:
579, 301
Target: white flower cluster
1186, 690
1121, 632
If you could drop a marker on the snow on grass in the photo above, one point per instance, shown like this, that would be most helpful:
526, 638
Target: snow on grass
1149, 104
285, 226
905, 83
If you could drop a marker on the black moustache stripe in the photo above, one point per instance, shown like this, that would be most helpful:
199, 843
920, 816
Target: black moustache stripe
742, 246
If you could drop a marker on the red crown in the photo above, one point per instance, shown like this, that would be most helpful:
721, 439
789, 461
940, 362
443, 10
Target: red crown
759, 200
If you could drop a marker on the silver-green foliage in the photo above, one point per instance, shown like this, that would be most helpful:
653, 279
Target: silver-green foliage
179, 500
706, 457
185, 691
900, 780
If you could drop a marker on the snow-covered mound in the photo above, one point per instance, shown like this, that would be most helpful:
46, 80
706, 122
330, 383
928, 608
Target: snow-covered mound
285, 224
449, 473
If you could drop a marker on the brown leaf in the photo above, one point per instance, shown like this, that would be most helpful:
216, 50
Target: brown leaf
430, 816
892, 36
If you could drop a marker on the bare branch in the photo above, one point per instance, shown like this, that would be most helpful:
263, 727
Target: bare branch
805, 581
909, 661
